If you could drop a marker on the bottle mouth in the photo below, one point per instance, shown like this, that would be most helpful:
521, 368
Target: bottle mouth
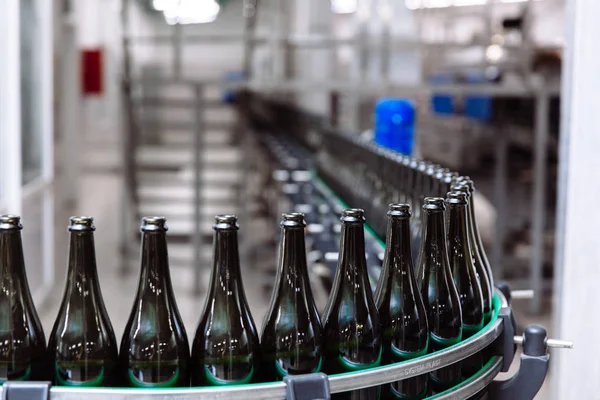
456, 198
226, 222
465, 180
434, 204
10, 222
78, 224
461, 186
356, 215
399, 210
152, 224
293, 220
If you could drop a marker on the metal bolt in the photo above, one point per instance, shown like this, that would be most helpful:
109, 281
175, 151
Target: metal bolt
553, 343
522, 294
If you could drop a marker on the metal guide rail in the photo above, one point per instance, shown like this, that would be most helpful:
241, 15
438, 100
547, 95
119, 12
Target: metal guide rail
497, 335
312, 384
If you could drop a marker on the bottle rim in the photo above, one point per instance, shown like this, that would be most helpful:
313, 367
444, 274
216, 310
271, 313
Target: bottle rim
356, 215
461, 187
81, 224
10, 222
399, 210
434, 204
152, 224
457, 198
226, 222
293, 220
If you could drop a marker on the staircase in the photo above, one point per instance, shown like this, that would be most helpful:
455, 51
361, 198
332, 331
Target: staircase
170, 120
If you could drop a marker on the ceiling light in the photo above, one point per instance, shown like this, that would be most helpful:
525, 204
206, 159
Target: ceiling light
162, 5
192, 12
344, 6
494, 53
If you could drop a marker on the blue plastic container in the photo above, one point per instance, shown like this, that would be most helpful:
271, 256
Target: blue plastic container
395, 125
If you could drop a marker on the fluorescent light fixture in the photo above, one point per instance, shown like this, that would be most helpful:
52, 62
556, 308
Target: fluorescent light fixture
192, 12
413, 4
416, 4
344, 6
462, 3
162, 5
437, 3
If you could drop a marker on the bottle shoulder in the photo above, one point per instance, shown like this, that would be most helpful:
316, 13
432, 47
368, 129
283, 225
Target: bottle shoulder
151, 323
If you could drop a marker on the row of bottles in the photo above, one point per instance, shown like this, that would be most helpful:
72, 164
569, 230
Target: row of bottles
413, 311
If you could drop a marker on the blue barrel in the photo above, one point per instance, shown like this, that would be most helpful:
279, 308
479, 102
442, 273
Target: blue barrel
395, 124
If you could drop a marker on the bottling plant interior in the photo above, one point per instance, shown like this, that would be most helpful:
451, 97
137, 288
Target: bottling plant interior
299, 199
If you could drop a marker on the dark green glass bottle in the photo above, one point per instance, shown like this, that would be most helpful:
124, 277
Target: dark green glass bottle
82, 349
477, 236
154, 349
486, 289
226, 349
292, 336
439, 293
464, 275
22, 341
351, 323
401, 309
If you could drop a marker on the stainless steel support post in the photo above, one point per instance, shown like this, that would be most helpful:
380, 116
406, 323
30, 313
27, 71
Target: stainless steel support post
574, 374
129, 195
197, 207
177, 50
538, 203
500, 196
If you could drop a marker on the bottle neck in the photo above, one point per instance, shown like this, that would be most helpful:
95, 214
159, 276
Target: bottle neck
12, 263
352, 251
226, 262
434, 238
471, 216
155, 274
398, 245
398, 264
458, 234
293, 253
82, 259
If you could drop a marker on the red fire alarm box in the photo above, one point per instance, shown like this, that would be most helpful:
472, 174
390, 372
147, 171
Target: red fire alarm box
92, 81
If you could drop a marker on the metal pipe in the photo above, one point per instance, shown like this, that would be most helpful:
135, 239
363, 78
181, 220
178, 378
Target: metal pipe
197, 207
522, 294
500, 195
553, 343
177, 50
538, 202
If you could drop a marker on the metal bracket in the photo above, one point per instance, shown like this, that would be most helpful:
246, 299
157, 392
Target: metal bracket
505, 345
12, 390
534, 365
504, 287
307, 387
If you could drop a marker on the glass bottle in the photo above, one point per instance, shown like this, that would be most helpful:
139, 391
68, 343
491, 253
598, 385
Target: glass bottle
82, 348
292, 337
226, 349
439, 292
486, 289
154, 349
477, 236
22, 341
351, 322
465, 277
400, 306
